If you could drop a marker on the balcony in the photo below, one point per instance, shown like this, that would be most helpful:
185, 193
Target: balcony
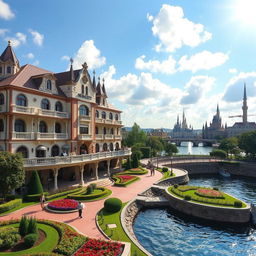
45, 112
84, 118
108, 121
99, 120
109, 136
118, 137
21, 109
99, 136
23, 135
85, 137
52, 136
70, 160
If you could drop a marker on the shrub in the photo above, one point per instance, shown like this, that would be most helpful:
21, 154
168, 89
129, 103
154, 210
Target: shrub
34, 197
175, 185
135, 160
32, 226
146, 152
35, 185
63, 193
8, 237
238, 204
215, 189
165, 169
94, 185
30, 239
187, 197
112, 205
23, 227
10, 205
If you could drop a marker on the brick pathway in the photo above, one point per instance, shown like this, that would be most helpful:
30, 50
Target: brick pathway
87, 225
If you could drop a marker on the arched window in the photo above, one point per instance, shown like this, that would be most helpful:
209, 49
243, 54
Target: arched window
96, 130
111, 147
58, 106
23, 150
1, 125
42, 127
49, 85
110, 116
84, 110
86, 90
1, 99
104, 130
57, 128
97, 114
55, 150
105, 147
45, 104
1, 70
9, 70
112, 131
97, 148
21, 100
116, 117
103, 114
117, 146
82, 89
19, 126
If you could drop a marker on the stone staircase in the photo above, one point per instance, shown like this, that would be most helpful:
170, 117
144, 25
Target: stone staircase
104, 182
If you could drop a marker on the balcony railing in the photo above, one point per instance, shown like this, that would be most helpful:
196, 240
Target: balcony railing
46, 112
85, 137
66, 160
99, 120
53, 136
23, 135
84, 118
99, 136
118, 137
21, 109
108, 121
109, 136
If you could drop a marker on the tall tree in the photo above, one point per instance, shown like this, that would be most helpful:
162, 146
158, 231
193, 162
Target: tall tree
219, 153
247, 142
170, 149
12, 173
155, 144
229, 144
136, 135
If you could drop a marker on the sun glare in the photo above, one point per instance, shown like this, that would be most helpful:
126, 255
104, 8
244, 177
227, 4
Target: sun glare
245, 12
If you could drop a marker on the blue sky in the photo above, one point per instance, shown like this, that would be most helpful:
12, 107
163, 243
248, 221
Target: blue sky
157, 57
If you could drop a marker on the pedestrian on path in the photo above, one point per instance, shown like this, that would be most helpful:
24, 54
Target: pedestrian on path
153, 171
80, 209
42, 201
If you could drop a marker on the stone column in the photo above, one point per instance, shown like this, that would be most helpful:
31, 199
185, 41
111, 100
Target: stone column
55, 174
82, 174
120, 162
108, 167
97, 171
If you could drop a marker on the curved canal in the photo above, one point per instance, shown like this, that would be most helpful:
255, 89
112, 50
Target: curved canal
165, 232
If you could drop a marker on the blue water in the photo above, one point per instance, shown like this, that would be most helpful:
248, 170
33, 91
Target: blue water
165, 232
187, 148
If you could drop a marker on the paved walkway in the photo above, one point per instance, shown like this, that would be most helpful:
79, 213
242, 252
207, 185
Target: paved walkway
87, 225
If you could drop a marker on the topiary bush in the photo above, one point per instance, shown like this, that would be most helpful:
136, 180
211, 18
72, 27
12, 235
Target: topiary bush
215, 189
23, 227
32, 226
187, 197
10, 205
35, 185
165, 169
112, 205
175, 185
238, 204
8, 237
30, 239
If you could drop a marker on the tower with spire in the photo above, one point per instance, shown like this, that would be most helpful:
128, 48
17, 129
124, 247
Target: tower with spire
245, 107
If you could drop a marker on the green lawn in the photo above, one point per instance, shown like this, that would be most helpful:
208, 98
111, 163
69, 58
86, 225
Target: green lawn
118, 232
51, 241
183, 191
166, 175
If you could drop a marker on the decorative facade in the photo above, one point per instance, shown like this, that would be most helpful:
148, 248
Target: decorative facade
61, 123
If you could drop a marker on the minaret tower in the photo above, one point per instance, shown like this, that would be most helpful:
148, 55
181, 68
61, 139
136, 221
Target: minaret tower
245, 107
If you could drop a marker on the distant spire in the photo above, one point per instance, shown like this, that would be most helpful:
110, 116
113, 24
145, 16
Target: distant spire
103, 87
71, 71
218, 110
93, 81
245, 96
245, 107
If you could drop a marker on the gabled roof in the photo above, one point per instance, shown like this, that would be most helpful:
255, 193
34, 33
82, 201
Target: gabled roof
64, 77
9, 55
99, 89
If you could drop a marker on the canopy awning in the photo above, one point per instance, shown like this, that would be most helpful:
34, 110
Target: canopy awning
44, 148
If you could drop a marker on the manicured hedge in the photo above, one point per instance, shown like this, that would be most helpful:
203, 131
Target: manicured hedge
112, 205
103, 192
53, 196
34, 198
10, 205
135, 171
124, 184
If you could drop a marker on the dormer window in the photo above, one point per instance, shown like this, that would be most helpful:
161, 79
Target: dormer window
9, 70
49, 85
45, 104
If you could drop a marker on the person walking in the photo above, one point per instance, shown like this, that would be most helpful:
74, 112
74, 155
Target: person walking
42, 201
80, 209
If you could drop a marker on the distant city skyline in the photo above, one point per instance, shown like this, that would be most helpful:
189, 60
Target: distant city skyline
157, 57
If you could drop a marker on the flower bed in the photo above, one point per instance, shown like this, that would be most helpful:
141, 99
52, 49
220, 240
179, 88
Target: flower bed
63, 205
93, 247
210, 193
124, 180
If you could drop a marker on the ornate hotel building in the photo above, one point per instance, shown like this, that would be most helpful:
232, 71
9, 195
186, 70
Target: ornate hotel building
61, 123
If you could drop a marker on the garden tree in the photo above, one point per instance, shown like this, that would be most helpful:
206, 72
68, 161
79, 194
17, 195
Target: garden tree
170, 149
229, 144
135, 159
12, 173
136, 135
155, 144
35, 185
247, 142
128, 164
218, 153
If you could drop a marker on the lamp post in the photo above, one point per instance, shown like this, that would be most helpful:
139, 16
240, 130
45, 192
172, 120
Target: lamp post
157, 160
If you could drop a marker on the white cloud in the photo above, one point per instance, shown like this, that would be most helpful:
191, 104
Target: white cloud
175, 31
90, 54
165, 67
204, 60
5, 11
196, 88
30, 55
36, 63
19, 39
3, 31
65, 57
232, 70
38, 38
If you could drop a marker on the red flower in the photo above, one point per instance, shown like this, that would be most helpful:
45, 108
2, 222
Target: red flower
63, 205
